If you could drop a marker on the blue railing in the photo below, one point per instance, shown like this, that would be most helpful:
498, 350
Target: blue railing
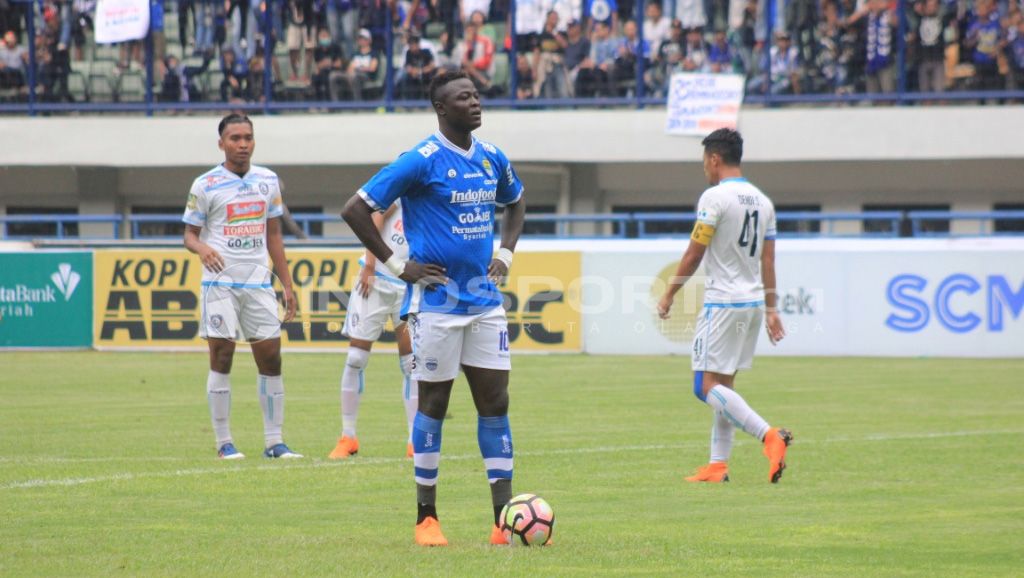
61, 222
127, 87
887, 224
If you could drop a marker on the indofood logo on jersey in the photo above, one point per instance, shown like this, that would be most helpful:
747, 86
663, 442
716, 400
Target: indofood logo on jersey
243, 218
473, 197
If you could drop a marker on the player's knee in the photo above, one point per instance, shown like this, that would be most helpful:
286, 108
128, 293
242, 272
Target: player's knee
495, 404
357, 358
698, 386
433, 406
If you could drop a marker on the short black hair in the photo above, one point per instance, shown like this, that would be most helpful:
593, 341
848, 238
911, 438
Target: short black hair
726, 143
233, 118
441, 79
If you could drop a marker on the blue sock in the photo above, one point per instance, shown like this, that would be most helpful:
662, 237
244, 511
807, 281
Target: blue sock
426, 448
495, 438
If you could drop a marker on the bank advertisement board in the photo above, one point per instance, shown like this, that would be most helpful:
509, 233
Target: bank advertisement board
46, 299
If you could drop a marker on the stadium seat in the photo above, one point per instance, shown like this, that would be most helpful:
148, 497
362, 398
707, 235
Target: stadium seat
433, 30
131, 86
101, 81
78, 81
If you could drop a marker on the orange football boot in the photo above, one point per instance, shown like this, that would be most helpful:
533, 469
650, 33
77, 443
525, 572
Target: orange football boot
775, 443
498, 537
428, 533
715, 472
346, 447
408, 450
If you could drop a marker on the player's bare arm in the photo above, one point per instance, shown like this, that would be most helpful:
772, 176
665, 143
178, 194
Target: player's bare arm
275, 246
359, 216
772, 321
209, 256
688, 265
515, 215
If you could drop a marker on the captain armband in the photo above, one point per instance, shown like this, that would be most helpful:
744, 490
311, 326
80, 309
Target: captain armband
702, 233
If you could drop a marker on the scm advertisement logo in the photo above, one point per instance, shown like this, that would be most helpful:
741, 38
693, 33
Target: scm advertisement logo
916, 301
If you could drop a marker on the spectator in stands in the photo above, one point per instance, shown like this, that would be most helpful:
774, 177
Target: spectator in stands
719, 54
656, 25
255, 86
235, 71
342, 20
363, 70
13, 62
691, 13
470, 7
596, 72
801, 23
695, 53
666, 60
984, 36
53, 59
475, 54
373, 17
82, 12
12, 16
601, 12
179, 81
551, 78
478, 18
525, 78
880, 69
832, 55
928, 39
329, 59
444, 57
628, 53
742, 35
418, 70
577, 50
299, 38
1015, 48
782, 64
568, 10
530, 17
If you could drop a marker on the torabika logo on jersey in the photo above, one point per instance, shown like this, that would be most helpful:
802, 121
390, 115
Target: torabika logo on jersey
245, 219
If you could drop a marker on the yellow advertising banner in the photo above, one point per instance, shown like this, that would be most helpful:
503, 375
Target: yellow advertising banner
150, 299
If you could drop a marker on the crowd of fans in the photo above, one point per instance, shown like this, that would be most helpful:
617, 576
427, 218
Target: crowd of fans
333, 50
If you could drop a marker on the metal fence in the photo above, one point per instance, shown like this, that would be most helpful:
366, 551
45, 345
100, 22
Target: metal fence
108, 83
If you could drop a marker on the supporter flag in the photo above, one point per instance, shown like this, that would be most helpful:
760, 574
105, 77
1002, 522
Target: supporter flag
699, 104
121, 20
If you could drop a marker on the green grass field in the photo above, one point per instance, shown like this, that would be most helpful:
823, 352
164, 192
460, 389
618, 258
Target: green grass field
899, 468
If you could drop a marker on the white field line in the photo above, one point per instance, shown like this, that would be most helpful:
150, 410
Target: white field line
361, 461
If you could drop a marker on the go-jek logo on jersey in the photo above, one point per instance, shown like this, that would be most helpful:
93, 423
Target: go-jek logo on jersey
473, 197
477, 216
952, 304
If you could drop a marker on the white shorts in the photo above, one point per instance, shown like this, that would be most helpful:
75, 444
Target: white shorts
443, 342
725, 338
298, 36
234, 313
366, 317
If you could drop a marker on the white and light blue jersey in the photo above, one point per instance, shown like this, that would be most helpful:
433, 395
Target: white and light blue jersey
233, 213
449, 198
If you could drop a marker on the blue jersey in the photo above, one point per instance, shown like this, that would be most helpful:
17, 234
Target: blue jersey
449, 197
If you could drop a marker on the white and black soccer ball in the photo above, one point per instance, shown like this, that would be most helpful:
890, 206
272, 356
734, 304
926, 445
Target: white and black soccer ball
527, 520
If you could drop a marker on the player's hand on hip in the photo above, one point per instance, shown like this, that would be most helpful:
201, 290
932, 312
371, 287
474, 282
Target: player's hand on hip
428, 274
665, 306
211, 259
290, 304
773, 324
497, 271
365, 283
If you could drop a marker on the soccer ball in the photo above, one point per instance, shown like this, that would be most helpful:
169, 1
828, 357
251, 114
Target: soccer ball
528, 520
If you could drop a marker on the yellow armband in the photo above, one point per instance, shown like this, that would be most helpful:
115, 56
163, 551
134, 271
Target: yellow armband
702, 233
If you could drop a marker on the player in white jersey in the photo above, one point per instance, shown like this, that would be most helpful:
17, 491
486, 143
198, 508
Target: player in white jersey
377, 298
735, 237
233, 222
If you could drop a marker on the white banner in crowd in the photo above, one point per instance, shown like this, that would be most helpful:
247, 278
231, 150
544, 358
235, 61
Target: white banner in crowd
892, 298
121, 20
701, 103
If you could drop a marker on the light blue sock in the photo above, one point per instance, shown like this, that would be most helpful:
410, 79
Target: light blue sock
426, 447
